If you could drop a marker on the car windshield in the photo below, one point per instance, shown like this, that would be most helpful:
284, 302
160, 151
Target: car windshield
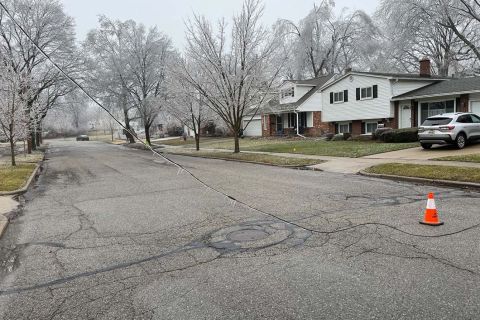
436, 121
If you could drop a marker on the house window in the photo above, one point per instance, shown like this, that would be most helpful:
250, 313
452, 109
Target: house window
344, 127
366, 93
430, 109
292, 120
302, 119
370, 127
338, 97
290, 92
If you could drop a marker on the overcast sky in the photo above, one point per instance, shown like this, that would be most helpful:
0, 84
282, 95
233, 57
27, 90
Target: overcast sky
169, 15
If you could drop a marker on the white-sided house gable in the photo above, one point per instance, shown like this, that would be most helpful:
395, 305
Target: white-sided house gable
357, 97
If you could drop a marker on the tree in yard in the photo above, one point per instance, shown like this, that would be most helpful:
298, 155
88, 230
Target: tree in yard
53, 31
462, 17
149, 52
415, 29
187, 105
234, 75
106, 53
323, 43
13, 106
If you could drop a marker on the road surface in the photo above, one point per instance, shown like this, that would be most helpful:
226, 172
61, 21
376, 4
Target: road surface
110, 232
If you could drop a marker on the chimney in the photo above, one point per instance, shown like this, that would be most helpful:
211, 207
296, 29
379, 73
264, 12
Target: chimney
425, 67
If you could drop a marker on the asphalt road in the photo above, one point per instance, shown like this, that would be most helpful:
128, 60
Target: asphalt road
115, 233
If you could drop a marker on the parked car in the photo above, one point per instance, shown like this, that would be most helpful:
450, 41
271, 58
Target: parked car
83, 137
449, 128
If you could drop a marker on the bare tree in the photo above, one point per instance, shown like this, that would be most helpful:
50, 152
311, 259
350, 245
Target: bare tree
13, 116
148, 53
187, 104
323, 43
415, 29
463, 18
52, 30
234, 77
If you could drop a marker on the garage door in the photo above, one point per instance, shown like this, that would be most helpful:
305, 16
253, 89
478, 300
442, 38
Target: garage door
476, 107
254, 128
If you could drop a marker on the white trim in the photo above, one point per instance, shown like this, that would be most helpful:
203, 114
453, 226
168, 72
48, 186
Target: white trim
383, 77
436, 95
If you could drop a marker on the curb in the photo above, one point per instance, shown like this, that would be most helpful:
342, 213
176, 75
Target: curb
448, 183
27, 184
3, 224
306, 167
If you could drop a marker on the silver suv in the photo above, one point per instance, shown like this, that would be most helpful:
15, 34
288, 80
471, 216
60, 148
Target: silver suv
449, 128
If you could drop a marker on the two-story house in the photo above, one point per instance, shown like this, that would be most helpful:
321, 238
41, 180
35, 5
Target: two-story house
297, 110
357, 102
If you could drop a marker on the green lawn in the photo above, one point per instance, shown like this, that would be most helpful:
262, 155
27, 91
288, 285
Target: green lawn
250, 157
464, 158
13, 178
312, 147
428, 171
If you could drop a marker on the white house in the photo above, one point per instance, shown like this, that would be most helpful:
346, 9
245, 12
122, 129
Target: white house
357, 102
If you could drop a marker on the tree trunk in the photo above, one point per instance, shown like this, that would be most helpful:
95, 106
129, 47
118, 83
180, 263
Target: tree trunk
29, 144
12, 151
129, 136
237, 142
147, 134
33, 140
37, 138
197, 141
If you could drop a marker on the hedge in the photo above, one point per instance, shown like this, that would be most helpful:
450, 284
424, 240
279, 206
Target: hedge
398, 135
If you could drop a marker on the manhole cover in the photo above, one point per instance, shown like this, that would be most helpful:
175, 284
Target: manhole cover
247, 235
255, 235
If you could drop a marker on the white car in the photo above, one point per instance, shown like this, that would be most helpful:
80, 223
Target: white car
449, 128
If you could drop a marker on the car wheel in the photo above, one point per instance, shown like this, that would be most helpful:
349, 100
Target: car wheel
461, 141
426, 145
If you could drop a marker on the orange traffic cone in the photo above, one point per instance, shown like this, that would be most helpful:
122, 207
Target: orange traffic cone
431, 215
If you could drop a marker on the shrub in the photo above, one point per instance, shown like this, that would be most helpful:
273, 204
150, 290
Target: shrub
400, 135
341, 136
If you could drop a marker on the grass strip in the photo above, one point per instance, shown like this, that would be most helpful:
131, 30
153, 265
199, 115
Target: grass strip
251, 157
436, 172
13, 178
462, 158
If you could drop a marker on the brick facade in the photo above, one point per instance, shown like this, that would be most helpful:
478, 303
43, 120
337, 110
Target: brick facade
319, 127
462, 103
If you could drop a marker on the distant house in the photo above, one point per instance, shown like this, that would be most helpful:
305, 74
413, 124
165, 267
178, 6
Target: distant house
357, 102
298, 109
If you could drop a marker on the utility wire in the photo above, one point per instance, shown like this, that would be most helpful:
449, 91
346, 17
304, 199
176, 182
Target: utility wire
183, 169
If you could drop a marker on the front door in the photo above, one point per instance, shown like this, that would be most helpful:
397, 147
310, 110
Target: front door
405, 116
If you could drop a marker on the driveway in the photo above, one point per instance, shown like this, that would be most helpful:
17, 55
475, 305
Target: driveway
115, 233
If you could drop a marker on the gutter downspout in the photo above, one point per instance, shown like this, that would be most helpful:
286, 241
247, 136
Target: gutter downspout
298, 127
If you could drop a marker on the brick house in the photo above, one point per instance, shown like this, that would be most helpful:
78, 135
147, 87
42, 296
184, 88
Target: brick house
357, 102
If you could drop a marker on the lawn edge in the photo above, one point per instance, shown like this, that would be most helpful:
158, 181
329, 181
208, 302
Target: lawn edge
448, 183
251, 162
25, 187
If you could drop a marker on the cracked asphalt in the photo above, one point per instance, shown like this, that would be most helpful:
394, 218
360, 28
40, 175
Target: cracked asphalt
110, 232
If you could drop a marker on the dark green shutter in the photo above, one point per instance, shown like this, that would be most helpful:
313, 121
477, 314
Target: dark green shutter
364, 127
331, 97
375, 91
358, 93
345, 95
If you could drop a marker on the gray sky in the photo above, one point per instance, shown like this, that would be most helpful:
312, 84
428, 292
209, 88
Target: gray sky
169, 15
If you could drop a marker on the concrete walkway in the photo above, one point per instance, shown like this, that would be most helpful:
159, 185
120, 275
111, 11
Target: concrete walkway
355, 165
7, 204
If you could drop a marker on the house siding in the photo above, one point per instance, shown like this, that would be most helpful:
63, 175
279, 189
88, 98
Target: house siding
379, 107
403, 86
299, 91
314, 103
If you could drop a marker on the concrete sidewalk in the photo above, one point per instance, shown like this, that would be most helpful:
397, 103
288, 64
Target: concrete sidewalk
7, 204
354, 165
